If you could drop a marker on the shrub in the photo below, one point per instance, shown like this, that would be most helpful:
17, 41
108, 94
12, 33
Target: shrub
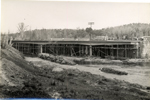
4, 41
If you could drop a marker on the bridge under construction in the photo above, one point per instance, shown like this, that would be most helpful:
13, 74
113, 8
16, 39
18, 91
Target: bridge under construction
104, 49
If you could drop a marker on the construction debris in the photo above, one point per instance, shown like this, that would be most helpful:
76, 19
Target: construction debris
57, 59
57, 69
109, 70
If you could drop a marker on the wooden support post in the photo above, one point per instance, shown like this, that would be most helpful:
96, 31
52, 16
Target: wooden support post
137, 47
67, 50
71, 51
61, 49
112, 51
33, 48
64, 50
56, 48
90, 50
86, 50
79, 50
41, 49
125, 51
82, 50
17, 46
117, 51
106, 51
22, 48
45, 49
29, 48
49, 49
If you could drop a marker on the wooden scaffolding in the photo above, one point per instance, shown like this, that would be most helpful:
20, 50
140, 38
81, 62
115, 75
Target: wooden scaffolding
105, 50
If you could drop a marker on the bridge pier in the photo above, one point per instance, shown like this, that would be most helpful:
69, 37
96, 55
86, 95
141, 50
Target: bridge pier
40, 48
90, 50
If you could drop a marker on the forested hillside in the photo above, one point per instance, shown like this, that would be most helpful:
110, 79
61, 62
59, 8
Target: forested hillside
127, 32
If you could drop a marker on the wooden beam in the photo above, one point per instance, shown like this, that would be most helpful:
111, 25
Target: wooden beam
117, 51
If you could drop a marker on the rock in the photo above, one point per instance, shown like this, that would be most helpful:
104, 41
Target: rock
63, 62
70, 62
57, 69
113, 71
48, 58
60, 58
43, 55
53, 58
57, 61
12, 76
56, 95
148, 88
53, 83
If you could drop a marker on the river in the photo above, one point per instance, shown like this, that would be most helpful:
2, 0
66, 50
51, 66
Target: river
136, 74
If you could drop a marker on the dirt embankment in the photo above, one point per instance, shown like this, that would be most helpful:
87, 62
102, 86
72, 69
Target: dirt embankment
23, 79
16, 75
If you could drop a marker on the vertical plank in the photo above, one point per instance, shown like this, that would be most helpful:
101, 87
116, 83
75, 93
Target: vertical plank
125, 51
112, 51
86, 50
41, 49
117, 51
137, 47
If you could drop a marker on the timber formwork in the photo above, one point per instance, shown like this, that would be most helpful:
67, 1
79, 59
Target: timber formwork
102, 49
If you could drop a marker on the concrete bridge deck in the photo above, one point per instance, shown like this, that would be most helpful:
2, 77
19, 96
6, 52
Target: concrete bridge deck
108, 42
113, 48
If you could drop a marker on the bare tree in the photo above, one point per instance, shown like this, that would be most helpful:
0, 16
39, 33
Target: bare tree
4, 40
21, 28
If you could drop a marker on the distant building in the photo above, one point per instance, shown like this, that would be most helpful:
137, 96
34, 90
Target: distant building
101, 38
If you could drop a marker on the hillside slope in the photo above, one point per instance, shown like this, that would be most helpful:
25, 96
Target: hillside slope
15, 72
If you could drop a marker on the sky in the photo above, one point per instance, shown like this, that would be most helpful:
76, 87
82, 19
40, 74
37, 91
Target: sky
70, 14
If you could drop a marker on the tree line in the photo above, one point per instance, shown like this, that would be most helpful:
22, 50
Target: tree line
124, 32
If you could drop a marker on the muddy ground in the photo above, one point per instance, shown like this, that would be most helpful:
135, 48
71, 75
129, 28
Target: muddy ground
22, 79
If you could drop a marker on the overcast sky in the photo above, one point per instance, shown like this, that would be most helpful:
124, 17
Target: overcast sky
70, 15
